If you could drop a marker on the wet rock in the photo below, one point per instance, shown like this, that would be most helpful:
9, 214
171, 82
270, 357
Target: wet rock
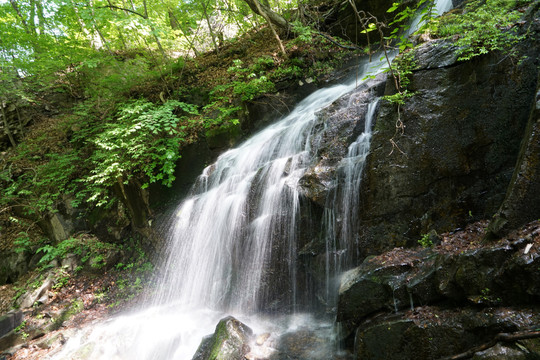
230, 341
432, 333
368, 289
435, 54
455, 159
340, 124
224, 136
304, 345
494, 275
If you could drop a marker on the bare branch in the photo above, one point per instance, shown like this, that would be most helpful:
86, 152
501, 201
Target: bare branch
122, 9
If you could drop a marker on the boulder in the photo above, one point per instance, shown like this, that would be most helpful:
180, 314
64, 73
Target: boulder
230, 341
313, 344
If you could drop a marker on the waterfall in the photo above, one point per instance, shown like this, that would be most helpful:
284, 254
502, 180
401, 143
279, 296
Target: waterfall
243, 212
243, 204
226, 237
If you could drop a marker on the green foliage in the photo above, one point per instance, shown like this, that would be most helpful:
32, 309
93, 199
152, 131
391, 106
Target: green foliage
49, 177
304, 33
401, 22
402, 68
484, 26
425, 241
143, 141
291, 71
99, 59
133, 276
61, 279
399, 97
20, 330
22, 242
87, 248
248, 85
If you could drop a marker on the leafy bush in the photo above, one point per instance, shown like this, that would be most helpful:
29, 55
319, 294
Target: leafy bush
143, 141
425, 241
483, 27
85, 247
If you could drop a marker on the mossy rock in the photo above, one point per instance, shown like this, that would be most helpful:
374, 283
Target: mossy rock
229, 341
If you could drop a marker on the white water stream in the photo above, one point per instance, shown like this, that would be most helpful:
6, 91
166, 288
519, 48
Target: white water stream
223, 237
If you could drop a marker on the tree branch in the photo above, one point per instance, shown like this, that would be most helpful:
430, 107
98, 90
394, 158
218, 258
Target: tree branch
122, 9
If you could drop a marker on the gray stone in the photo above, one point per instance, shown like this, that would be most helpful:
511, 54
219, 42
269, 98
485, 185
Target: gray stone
31, 297
10, 321
13, 265
434, 55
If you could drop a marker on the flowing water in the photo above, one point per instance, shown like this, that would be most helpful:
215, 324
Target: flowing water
221, 240
243, 214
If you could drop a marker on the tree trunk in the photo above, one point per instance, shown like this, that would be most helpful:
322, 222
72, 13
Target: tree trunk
268, 14
19, 14
6, 126
154, 31
271, 18
212, 35
175, 25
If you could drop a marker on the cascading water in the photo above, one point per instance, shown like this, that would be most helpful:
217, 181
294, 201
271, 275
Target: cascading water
340, 231
221, 242
242, 214
245, 202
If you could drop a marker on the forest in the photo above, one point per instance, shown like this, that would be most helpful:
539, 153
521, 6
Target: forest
110, 111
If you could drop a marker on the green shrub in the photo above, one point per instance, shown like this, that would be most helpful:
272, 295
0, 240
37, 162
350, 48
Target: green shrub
484, 26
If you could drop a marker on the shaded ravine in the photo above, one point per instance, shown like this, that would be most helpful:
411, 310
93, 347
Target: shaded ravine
242, 214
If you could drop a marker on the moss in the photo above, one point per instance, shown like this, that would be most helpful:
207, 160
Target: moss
223, 136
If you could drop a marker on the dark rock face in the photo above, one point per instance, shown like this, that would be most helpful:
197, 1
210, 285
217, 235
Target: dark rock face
340, 124
521, 203
12, 266
456, 156
445, 300
432, 333
503, 273
230, 341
